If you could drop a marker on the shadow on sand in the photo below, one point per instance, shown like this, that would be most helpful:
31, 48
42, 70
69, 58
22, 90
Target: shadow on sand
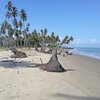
72, 97
70, 70
22, 64
17, 64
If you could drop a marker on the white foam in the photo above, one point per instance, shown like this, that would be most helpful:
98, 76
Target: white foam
75, 51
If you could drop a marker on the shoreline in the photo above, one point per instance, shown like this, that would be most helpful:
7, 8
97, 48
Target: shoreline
88, 55
91, 57
89, 52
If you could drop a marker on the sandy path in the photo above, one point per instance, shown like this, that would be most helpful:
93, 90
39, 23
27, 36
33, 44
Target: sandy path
81, 82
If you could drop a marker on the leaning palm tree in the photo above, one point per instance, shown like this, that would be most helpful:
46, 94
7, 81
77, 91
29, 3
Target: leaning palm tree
10, 35
4, 27
9, 6
14, 12
8, 15
15, 23
23, 17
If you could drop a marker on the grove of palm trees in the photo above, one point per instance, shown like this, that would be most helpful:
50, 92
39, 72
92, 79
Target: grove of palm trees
15, 33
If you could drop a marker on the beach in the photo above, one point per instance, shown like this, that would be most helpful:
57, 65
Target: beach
20, 80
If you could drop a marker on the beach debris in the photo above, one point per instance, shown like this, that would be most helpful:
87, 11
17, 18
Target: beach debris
18, 54
41, 60
53, 65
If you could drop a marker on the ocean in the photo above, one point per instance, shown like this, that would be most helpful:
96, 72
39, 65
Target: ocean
91, 52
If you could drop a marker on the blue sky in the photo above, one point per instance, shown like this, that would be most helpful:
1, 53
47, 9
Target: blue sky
77, 18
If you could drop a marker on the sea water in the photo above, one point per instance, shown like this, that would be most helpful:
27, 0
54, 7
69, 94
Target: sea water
91, 52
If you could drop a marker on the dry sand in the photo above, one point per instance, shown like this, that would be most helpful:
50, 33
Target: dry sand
25, 82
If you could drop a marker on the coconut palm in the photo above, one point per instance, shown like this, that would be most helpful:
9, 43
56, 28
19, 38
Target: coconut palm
45, 31
27, 28
10, 35
8, 15
65, 40
9, 6
10, 30
53, 38
9, 9
71, 38
20, 24
14, 12
27, 40
15, 23
23, 15
43, 41
3, 27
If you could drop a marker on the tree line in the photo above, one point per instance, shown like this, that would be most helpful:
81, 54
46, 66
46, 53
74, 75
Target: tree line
14, 31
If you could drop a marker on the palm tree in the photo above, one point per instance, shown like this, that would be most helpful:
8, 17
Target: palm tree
9, 6
10, 30
8, 15
43, 41
53, 38
65, 40
20, 24
45, 31
71, 38
27, 30
14, 12
57, 39
10, 35
15, 23
23, 15
4, 27
41, 32
20, 32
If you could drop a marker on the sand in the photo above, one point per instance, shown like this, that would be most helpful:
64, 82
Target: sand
26, 82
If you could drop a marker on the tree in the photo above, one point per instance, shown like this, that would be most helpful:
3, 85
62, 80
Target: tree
14, 12
4, 27
13, 24
43, 41
45, 31
67, 40
27, 40
9, 6
20, 25
23, 17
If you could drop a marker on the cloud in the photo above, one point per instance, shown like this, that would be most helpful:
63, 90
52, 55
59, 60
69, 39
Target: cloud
86, 41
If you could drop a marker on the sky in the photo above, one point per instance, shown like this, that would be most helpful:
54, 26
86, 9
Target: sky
77, 18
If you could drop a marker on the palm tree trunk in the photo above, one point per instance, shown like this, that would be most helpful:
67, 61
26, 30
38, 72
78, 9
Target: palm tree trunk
53, 65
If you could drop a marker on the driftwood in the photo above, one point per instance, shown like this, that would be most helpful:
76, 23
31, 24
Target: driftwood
18, 54
53, 65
